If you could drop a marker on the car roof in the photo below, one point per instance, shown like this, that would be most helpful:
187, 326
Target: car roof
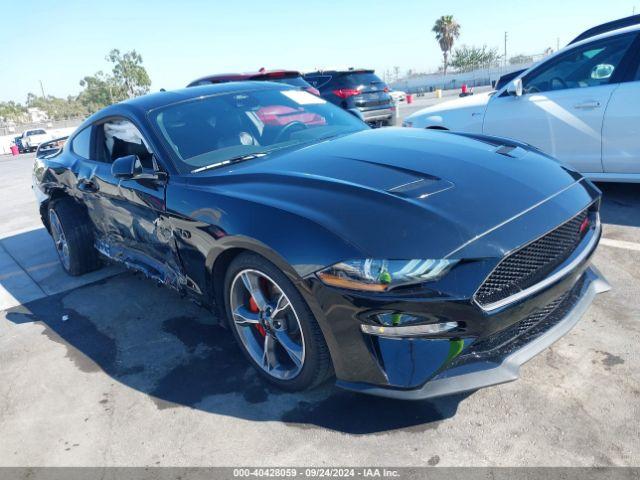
160, 99
261, 75
608, 27
605, 34
348, 70
139, 106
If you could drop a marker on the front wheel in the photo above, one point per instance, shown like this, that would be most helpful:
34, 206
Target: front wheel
274, 326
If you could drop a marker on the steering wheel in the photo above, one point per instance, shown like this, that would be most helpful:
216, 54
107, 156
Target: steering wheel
288, 130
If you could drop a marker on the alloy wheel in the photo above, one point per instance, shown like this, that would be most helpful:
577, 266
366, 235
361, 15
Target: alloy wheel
267, 324
59, 239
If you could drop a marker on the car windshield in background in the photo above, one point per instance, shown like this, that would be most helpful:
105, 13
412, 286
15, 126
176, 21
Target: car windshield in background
212, 131
364, 78
35, 132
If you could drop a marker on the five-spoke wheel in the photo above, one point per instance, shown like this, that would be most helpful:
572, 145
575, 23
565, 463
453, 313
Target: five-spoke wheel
267, 324
59, 240
274, 325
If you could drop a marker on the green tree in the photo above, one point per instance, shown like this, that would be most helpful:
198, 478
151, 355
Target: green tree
447, 31
129, 74
57, 108
12, 112
99, 91
467, 58
128, 79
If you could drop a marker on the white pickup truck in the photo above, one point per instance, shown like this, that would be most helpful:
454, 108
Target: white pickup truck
32, 138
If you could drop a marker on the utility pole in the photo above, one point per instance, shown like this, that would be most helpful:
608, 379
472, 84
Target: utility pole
42, 89
557, 44
506, 35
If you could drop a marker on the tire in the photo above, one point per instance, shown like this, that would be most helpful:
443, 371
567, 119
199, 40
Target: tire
79, 256
316, 366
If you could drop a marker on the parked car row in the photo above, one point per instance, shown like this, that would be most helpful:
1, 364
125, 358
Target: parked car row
359, 91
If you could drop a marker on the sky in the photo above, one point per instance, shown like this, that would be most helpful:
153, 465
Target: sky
60, 42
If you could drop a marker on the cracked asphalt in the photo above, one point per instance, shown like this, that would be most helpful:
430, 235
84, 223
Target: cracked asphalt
115, 371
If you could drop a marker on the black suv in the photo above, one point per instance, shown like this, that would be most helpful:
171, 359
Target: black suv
360, 90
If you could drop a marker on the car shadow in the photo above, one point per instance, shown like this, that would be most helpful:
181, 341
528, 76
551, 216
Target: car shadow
30, 269
620, 204
150, 339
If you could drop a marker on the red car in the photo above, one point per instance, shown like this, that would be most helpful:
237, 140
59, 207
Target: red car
290, 77
273, 115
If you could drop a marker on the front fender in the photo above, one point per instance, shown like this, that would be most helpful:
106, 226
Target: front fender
207, 224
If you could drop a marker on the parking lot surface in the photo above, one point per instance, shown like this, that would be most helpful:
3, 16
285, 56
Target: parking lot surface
110, 369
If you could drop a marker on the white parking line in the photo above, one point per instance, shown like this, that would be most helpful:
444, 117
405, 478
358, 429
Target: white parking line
620, 244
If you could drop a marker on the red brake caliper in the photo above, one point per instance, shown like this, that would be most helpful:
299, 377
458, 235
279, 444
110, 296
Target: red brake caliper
253, 307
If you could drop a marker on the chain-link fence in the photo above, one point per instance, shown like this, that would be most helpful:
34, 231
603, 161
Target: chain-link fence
16, 129
480, 75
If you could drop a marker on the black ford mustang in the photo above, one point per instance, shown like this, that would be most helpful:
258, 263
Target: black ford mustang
410, 263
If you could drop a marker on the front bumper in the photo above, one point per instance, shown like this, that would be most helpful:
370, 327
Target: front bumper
425, 366
474, 375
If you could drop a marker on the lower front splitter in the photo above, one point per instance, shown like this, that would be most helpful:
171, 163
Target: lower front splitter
508, 370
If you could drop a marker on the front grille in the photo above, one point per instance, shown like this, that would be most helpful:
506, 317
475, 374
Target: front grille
532, 263
497, 346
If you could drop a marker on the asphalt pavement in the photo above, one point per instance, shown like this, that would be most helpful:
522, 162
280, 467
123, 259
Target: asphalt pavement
111, 370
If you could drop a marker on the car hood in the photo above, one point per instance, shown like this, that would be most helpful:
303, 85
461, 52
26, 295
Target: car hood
397, 192
477, 101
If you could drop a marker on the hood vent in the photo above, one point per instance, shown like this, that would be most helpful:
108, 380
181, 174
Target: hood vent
512, 151
421, 188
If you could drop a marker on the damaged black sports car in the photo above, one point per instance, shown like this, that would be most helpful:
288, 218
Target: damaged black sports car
407, 263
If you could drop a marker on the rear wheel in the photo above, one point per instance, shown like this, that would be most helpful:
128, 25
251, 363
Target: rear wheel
273, 325
73, 237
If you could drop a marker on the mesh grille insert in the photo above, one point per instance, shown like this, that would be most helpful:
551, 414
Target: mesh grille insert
500, 344
532, 263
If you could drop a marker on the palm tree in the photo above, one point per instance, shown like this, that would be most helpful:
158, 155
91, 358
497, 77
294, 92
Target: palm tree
447, 30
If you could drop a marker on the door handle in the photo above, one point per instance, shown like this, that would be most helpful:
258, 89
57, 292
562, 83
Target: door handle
590, 105
86, 185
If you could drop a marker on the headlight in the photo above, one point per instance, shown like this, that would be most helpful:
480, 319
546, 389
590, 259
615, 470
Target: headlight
374, 275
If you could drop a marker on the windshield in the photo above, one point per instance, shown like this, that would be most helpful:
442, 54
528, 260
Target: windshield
365, 78
211, 130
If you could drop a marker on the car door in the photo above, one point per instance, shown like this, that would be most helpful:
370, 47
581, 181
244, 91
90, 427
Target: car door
621, 129
561, 110
129, 214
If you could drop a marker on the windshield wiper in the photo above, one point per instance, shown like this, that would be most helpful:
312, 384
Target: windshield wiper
230, 161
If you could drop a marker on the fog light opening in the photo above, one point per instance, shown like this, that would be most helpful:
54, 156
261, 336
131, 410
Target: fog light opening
409, 330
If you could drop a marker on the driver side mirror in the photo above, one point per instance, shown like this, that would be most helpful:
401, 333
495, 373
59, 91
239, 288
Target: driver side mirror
126, 167
515, 87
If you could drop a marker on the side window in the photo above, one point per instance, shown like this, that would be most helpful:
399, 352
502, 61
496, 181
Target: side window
121, 138
81, 144
589, 65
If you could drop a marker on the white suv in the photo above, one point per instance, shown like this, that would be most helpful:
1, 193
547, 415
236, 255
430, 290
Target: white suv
580, 105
